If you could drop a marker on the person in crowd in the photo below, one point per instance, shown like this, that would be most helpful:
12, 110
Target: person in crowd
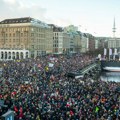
38, 89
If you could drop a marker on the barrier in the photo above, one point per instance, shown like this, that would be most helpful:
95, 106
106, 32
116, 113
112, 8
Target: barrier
8, 115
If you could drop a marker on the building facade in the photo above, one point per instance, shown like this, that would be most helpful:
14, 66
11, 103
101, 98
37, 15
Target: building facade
26, 33
101, 42
77, 42
84, 43
58, 34
91, 43
71, 28
75, 38
114, 43
66, 43
13, 54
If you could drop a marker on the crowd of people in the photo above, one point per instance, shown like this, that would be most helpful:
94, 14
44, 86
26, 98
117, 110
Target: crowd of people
38, 89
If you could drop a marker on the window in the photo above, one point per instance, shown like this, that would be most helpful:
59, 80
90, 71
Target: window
32, 34
13, 34
32, 29
26, 29
10, 29
21, 34
32, 46
13, 29
10, 34
22, 46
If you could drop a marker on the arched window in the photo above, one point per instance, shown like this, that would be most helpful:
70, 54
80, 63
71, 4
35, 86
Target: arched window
21, 55
9, 55
2, 55
26, 54
13, 55
17, 55
5, 55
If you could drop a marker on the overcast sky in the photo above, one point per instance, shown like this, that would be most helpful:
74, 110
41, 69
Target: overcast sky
93, 16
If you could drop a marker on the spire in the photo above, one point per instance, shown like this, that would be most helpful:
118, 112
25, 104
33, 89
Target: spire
114, 28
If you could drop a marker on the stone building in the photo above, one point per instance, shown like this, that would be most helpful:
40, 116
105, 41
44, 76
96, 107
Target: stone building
26, 34
57, 39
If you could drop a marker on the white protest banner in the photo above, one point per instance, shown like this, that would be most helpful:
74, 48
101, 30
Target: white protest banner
50, 64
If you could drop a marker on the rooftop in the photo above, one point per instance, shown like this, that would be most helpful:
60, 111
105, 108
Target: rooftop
56, 28
23, 20
17, 20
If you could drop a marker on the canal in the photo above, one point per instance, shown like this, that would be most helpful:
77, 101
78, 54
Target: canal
110, 76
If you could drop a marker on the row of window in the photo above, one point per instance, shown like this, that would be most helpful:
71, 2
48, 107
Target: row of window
22, 29
41, 53
55, 41
14, 29
32, 46
18, 34
55, 34
23, 40
55, 45
55, 38
14, 46
12, 40
37, 46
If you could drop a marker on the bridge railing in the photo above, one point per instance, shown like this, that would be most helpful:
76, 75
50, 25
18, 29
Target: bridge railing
88, 68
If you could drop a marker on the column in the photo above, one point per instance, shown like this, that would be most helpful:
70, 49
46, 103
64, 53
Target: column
15, 54
12, 55
28, 55
24, 55
7, 55
19, 55
3, 55
114, 54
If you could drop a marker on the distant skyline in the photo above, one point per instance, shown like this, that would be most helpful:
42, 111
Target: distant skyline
92, 16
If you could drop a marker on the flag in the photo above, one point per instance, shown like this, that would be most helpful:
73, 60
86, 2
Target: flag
110, 51
105, 51
71, 113
14, 93
15, 109
21, 110
115, 51
96, 109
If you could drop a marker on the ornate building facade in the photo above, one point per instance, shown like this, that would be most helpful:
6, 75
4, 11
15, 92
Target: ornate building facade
26, 34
